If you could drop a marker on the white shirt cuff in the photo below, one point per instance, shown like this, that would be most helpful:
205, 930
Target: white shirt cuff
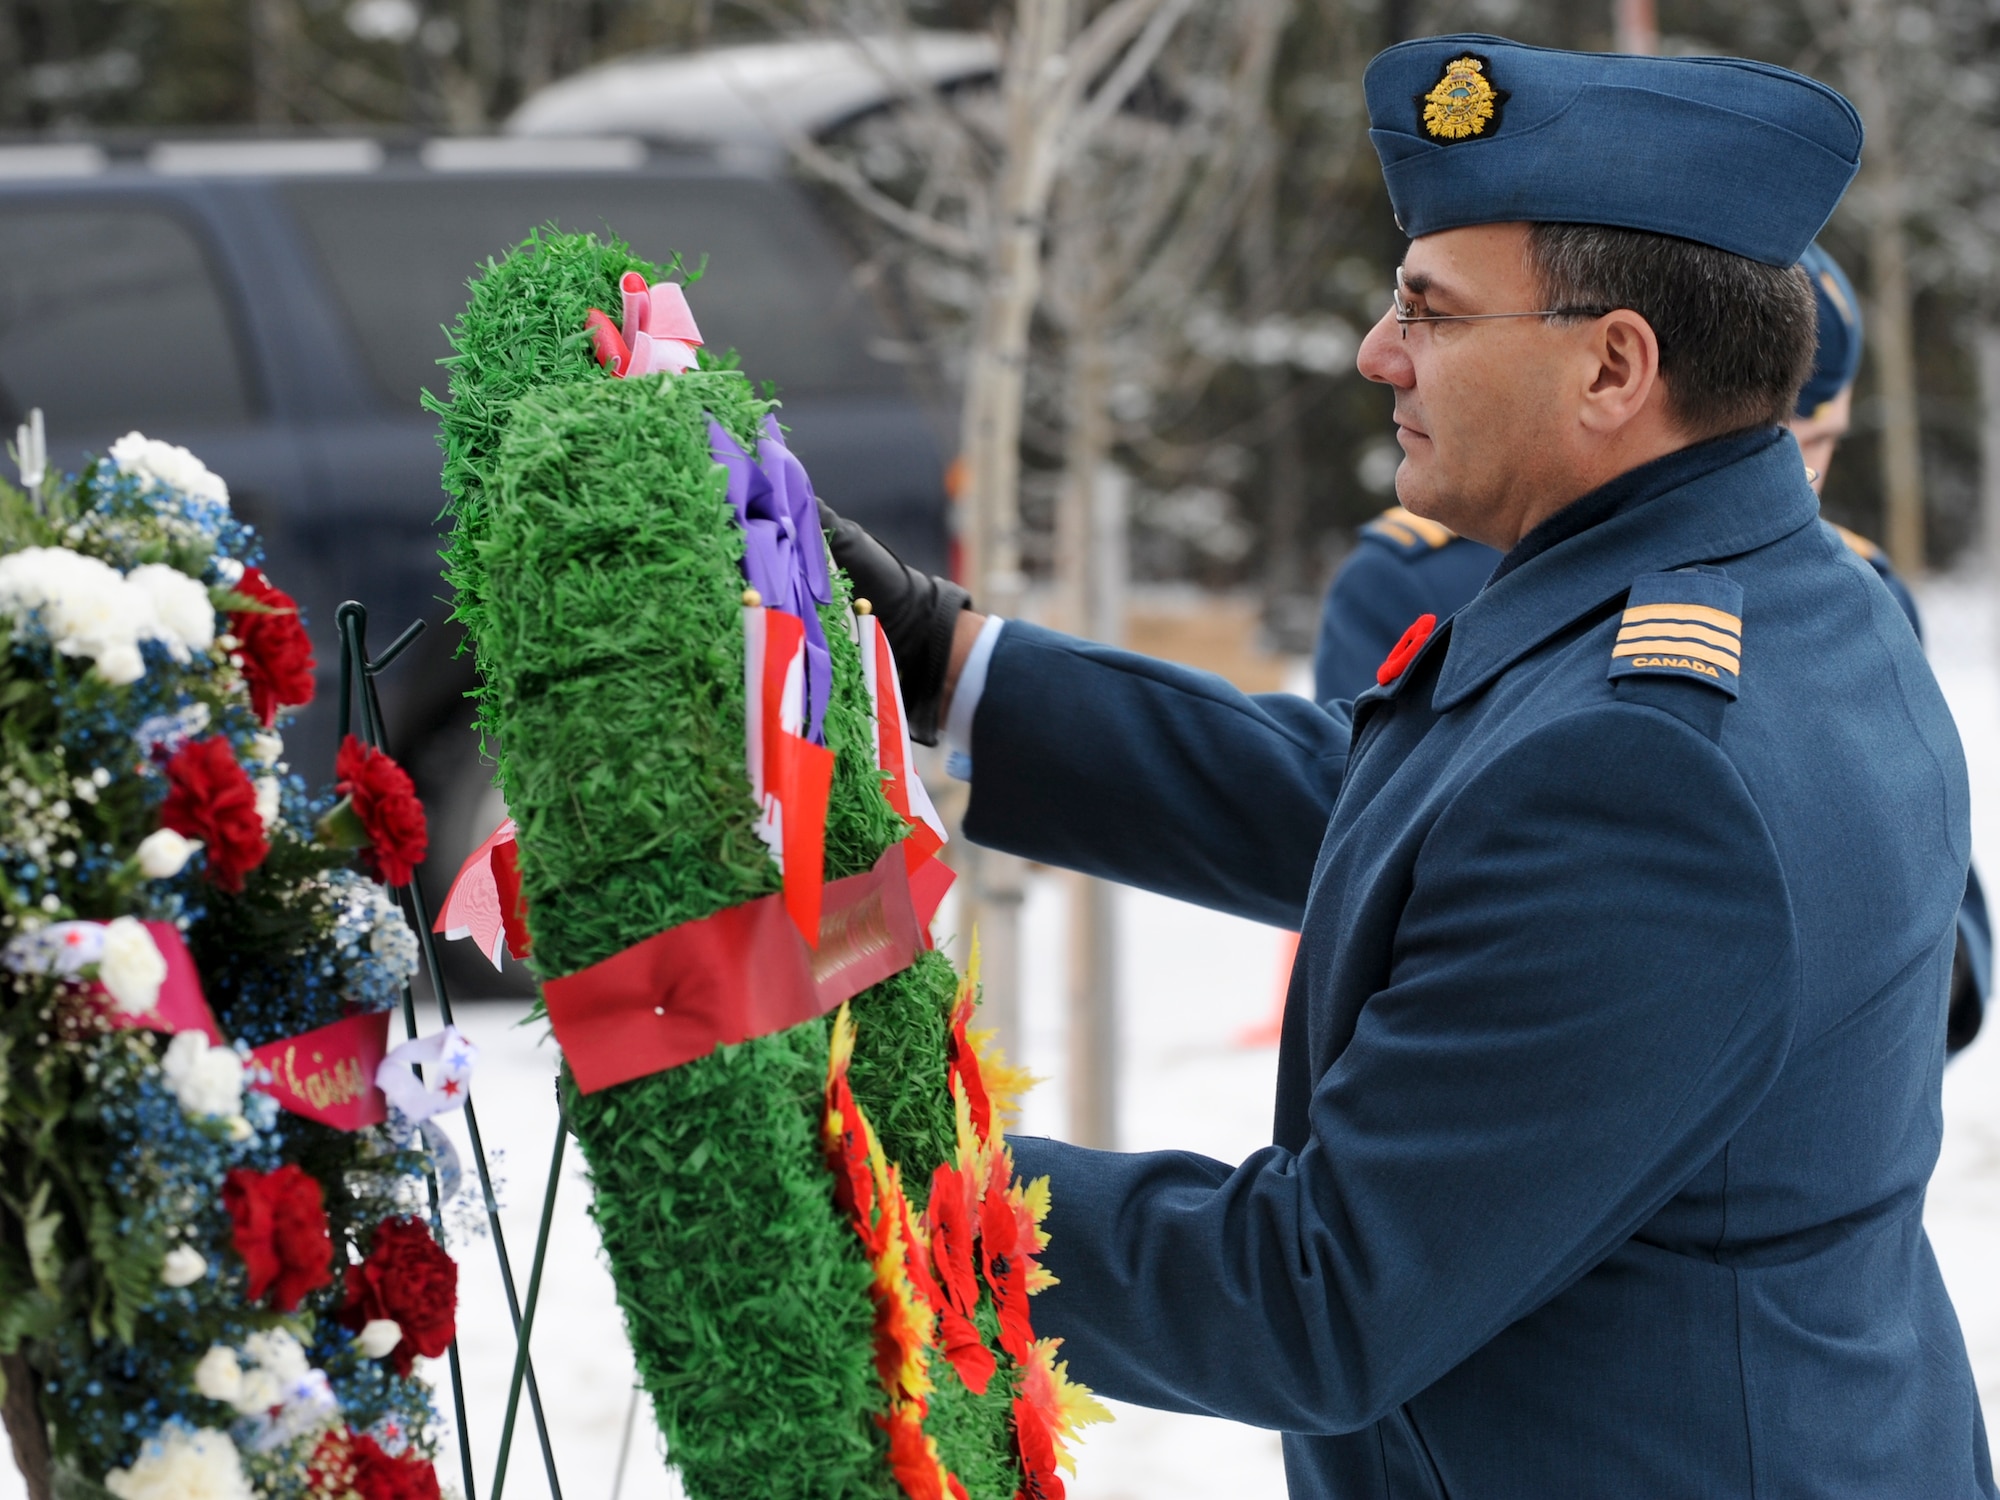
965, 700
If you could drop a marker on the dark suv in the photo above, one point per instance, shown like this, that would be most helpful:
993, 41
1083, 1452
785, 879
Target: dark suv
277, 306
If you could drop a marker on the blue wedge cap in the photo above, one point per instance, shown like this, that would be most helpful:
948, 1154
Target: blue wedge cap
1740, 155
1839, 354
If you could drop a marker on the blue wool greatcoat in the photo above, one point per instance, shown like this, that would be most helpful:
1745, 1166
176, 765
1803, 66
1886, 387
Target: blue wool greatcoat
1401, 568
1609, 1084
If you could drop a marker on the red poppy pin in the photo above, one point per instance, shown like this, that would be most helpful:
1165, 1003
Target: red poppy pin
1405, 651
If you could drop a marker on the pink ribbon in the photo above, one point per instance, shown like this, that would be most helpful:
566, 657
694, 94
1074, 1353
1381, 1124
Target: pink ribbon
658, 337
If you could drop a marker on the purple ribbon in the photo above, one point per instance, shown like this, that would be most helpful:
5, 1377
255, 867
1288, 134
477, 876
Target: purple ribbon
784, 552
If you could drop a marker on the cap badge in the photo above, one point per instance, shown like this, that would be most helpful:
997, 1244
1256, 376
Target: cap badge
1463, 103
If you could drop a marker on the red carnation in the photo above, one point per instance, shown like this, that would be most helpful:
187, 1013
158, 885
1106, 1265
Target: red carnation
381, 796
277, 654
407, 1277
378, 1476
354, 1463
278, 1220
209, 798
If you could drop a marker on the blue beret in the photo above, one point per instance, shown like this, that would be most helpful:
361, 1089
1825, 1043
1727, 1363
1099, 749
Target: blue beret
1839, 353
1743, 156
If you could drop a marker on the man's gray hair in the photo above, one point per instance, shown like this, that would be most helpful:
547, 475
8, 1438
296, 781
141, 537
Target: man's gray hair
1737, 337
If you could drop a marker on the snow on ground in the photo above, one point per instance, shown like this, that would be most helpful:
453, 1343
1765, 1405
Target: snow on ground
1196, 977
1192, 983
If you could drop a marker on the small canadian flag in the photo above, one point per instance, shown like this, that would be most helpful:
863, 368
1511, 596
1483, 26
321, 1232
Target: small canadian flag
901, 784
790, 776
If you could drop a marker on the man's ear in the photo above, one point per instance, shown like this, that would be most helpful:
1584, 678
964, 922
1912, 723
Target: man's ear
1622, 370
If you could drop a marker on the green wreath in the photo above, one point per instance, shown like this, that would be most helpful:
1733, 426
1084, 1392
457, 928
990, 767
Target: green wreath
817, 1243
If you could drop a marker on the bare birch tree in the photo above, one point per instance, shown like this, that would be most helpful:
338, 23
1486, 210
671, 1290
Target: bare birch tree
973, 194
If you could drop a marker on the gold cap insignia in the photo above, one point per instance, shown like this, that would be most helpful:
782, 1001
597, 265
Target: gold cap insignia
1463, 103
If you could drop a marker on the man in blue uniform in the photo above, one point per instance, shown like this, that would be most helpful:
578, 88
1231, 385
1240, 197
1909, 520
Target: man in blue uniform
1404, 566
1609, 1083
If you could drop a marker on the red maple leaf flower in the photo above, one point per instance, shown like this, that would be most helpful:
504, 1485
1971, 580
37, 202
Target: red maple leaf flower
948, 1222
913, 1457
1005, 1260
966, 1351
965, 1069
1035, 1442
847, 1155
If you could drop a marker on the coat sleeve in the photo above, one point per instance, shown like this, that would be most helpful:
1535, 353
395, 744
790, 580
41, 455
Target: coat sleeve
1152, 774
1593, 982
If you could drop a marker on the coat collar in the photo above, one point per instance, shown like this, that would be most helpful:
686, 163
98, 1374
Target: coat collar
1703, 504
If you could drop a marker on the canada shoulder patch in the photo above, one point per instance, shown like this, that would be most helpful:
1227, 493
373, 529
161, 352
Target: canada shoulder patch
1683, 624
1410, 535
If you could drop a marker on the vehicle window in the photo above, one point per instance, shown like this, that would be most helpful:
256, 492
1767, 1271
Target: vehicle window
111, 317
400, 251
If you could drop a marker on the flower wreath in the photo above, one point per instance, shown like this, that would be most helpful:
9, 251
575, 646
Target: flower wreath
723, 862
216, 1260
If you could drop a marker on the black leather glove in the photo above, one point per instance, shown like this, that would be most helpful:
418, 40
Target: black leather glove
1968, 1006
919, 614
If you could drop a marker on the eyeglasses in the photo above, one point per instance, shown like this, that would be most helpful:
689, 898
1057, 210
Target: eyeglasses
1405, 314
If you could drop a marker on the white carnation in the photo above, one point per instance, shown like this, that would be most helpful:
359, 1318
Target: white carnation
279, 1352
281, 1387
207, 1080
180, 1463
184, 1266
121, 664
163, 853
266, 747
378, 1338
260, 1392
267, 800
87, 607
219, 1377
186, 617
158, 465
132, 968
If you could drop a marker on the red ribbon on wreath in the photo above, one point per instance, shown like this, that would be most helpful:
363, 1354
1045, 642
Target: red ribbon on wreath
739, 973
328, 1074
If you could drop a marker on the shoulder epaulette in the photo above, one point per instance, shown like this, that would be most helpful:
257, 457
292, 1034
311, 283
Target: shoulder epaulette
1684, 624
1858, 544
1409, 534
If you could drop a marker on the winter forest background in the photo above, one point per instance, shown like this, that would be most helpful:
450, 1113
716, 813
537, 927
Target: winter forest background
1200, 336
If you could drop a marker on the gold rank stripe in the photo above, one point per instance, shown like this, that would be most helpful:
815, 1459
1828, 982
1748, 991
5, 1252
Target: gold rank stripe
1685, 629
1423, 526
1721, 619
1396, 530
1664, 645
1858, 544
1410, 529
